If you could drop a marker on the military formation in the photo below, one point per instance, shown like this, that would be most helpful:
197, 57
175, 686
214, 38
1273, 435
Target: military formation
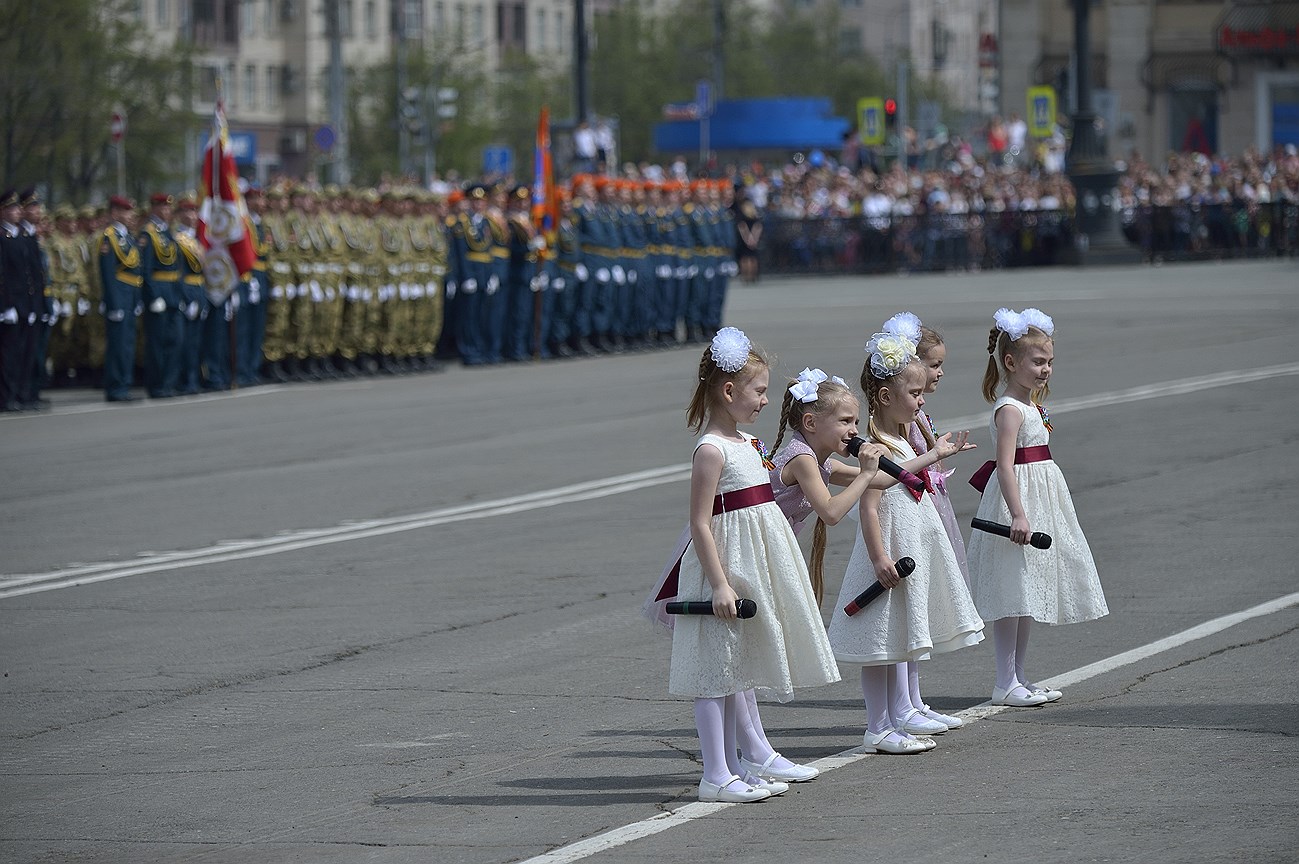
355, 281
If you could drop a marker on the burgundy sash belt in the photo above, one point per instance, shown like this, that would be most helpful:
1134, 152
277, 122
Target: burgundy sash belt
751, 496
741, 498
1023, 456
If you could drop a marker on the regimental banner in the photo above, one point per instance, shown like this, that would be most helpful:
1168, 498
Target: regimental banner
224, 229
870, 121
1041, 111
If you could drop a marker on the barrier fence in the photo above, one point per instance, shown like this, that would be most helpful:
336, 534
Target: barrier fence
939, 242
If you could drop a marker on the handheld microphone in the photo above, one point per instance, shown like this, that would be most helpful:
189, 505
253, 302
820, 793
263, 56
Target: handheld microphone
904, 566
1037, 539
744, 607
888, 466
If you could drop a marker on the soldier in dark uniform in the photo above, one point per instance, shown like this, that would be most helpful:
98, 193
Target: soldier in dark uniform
447, 348
163, 322
119, 273
251, 325
19, 293
193, 298
564, 284
474, 237
520, 278
35, 232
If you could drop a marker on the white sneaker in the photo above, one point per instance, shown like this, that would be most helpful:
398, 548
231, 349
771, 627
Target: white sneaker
917, 722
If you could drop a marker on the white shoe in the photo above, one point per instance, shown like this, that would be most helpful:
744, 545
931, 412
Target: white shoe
946, 719
917, 722
793, 774
1025, 698
733, 791
1051, 694
905, 746
776, 786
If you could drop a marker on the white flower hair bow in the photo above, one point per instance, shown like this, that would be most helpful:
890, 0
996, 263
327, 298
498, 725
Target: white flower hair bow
889, 353
1015, 324
904, 324
816, 376
730, 349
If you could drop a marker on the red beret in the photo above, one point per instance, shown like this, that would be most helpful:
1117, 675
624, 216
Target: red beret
117, 202
160, 198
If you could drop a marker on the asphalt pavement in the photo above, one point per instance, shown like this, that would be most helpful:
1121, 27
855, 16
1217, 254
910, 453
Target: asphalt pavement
397, 619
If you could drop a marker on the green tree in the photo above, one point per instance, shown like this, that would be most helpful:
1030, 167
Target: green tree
69, 64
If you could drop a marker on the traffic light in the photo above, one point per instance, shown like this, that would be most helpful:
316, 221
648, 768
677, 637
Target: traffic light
890, 113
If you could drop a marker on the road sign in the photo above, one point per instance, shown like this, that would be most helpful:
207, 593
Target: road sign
870, 121
1041, 111
704, 97
117, 127
324, 138
497, 159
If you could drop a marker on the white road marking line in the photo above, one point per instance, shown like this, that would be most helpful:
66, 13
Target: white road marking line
665, 821
17, 585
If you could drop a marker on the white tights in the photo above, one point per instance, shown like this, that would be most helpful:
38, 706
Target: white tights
1010, 641
887, 693
750, 735
715, 720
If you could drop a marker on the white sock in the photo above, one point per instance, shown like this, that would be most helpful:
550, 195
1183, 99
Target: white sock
913, 684
710, 721
1005, 632
1021, 648
754, 745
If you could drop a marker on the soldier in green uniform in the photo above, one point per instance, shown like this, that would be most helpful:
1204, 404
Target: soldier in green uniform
305, 289
280, 269
68, 284
328, 321
429, 250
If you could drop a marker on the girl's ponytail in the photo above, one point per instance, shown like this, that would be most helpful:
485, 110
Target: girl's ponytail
784, 420
992, 375
818, 560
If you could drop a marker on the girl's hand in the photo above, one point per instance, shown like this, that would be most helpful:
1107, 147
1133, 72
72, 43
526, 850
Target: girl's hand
724, 603
869, 456
886, 573
953, 443
1019, 530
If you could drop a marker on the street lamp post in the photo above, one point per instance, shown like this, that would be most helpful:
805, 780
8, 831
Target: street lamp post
1090, 170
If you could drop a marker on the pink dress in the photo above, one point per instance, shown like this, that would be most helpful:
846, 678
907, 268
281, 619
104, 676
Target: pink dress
791, 499
938, 482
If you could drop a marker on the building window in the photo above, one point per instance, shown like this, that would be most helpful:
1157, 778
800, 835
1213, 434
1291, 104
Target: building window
541, 30
559, 33
135, 9
460, 25
439, 17
371, 21
480, 27
272, 87
520, 26
850, 41
250, 87
414, 18
268, 17
163, 11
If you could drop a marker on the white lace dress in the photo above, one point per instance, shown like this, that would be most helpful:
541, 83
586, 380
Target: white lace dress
930, 612
784, 646
1057, 585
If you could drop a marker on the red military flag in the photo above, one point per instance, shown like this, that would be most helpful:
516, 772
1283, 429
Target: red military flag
545, 203
224, 229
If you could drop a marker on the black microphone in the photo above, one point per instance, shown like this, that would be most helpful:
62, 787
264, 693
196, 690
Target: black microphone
744, 607
888, 466
1037, 539
904, 566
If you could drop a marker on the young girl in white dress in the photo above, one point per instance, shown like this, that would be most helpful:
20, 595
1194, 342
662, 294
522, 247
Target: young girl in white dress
930, 612
740, 546
1014, 584
923, 438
